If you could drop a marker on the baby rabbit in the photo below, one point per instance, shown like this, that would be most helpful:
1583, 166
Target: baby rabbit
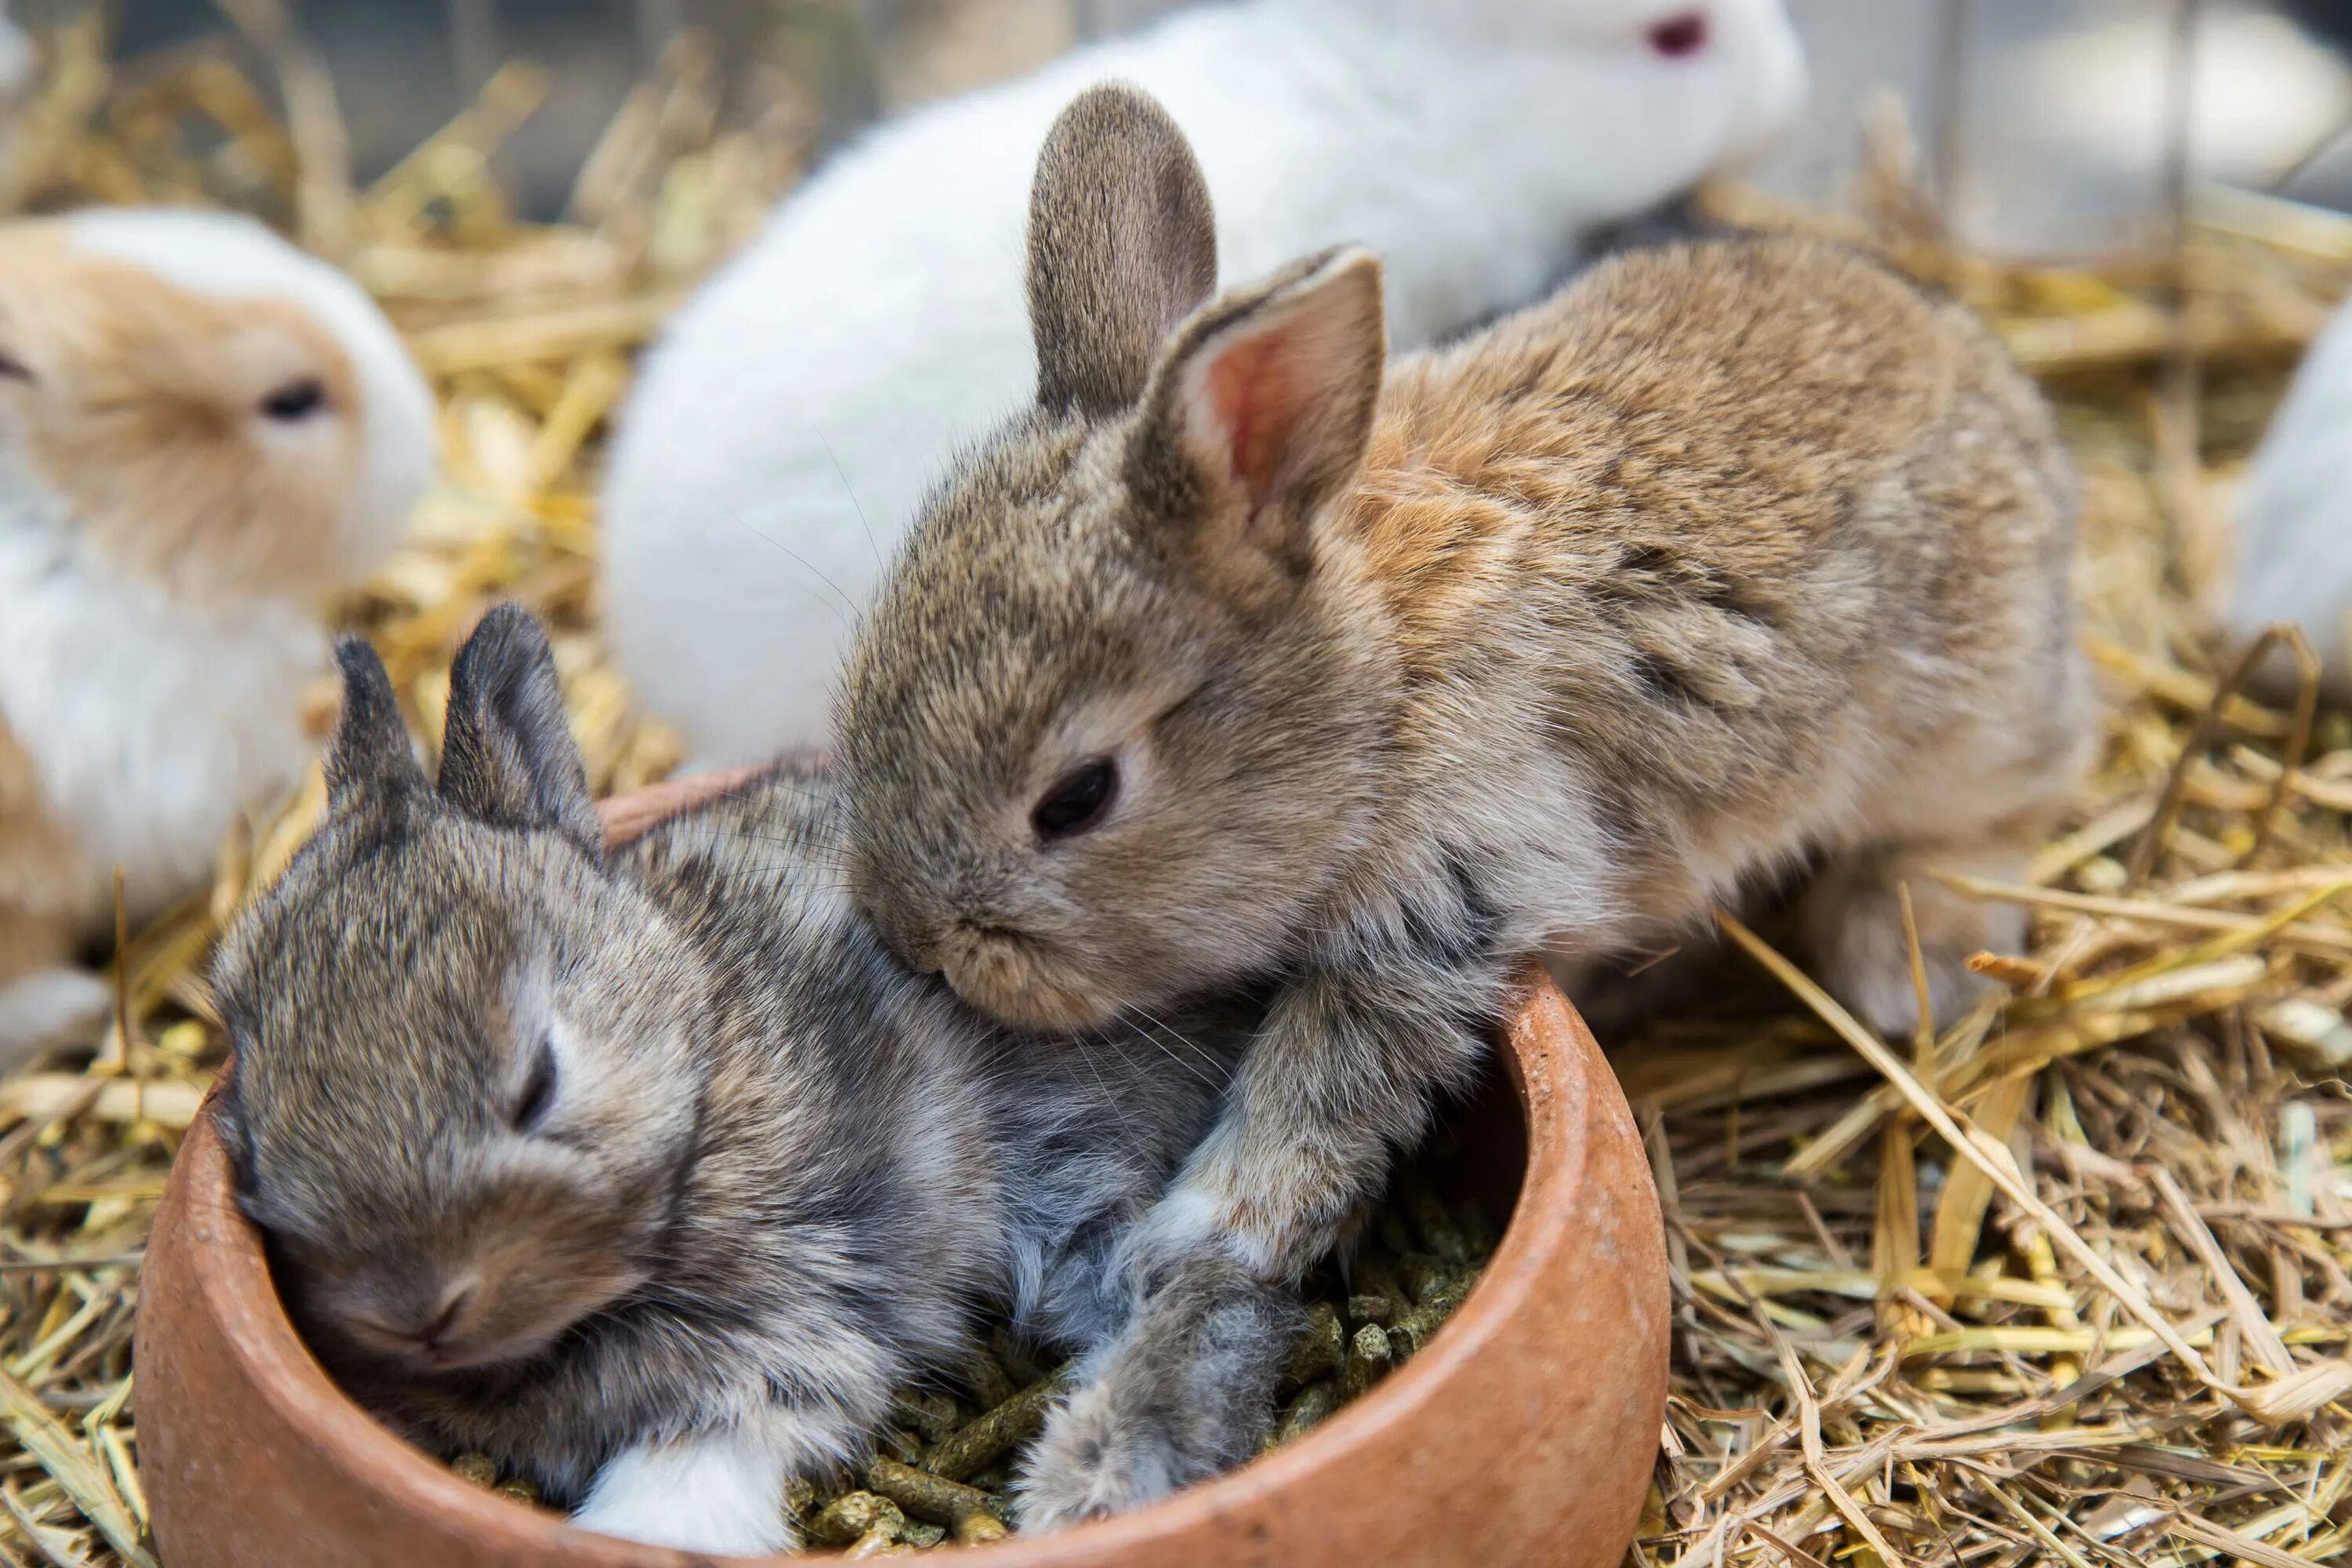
653, 1175
803, 405
202, 432
1224, 661
2294, 533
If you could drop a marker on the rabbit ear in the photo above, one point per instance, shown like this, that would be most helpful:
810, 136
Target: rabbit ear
1122, 247
1260, 411
508, 757
370, 756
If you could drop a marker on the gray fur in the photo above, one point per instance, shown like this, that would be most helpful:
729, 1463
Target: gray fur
781, 1177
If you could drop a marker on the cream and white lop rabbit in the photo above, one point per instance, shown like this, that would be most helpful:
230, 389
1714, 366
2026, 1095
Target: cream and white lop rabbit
202, 432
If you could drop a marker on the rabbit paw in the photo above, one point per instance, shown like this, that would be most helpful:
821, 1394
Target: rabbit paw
1853, 918
46, 1009
1185, 1392
1092, 1463
717, 1492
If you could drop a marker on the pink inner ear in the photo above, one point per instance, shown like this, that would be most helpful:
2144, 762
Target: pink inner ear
1253, 391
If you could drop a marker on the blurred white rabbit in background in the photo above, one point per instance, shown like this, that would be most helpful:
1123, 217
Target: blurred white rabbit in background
18, 59
798, 409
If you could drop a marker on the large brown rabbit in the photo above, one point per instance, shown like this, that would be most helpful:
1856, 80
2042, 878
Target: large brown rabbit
1227, 661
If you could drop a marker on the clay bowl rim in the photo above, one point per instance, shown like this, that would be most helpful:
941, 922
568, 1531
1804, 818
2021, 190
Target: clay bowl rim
1541, 1038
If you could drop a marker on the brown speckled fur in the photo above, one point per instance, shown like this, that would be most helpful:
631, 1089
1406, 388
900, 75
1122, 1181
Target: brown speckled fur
1734, 556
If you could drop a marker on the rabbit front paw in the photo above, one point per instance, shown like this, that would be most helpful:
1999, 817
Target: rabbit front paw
1854, 922
1092, 1462
1183, 1394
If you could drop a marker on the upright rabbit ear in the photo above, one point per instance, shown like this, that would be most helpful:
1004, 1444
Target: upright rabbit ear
1122, 247
508, 757
1259, 414
370, 757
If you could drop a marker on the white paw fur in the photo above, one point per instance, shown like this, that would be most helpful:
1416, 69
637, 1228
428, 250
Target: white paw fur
722, 1492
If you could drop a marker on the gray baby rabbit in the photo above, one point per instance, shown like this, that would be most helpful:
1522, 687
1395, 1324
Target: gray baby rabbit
1228, 661
653, 1175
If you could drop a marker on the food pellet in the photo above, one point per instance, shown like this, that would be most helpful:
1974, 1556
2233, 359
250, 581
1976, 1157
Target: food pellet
1321, 1348
980, 1528
852, 1517
1369, 1359
926, 1496
930, 1413
992, 1436
1304, 1414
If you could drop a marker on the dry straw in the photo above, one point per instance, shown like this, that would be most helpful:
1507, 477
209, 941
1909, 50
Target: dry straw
2071, 1283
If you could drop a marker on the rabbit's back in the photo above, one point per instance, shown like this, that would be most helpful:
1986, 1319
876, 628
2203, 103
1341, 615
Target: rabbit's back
1790, 524
2294, 539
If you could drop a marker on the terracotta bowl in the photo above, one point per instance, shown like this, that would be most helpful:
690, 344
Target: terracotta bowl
1524, 1434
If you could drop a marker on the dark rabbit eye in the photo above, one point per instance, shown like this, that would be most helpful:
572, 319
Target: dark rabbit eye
12, 369
1078, 802
295, 401
538, 1097
1681, 36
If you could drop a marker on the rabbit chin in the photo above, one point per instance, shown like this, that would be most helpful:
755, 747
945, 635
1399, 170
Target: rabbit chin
1006, 976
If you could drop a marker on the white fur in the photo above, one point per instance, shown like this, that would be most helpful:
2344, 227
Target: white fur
152, 722
714, 1491
2294, 535
788, 427
18, 61
47, 1009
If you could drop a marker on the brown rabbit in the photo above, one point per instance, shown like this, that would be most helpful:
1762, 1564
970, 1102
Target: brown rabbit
1227, 661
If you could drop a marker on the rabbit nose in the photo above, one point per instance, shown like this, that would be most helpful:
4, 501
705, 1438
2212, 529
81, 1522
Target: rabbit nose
435, 1321
432, 1332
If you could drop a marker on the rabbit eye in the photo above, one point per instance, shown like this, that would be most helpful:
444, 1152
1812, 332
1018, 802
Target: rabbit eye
538, 1096
1078, 802
1680, 36
14, 370
295, 401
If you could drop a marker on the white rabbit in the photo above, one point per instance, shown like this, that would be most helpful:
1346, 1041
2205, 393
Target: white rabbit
18, 61
203, 433
801, 406
2294, 523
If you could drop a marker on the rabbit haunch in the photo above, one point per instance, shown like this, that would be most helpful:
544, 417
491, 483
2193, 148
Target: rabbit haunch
202, 432
1732, 556
653, 1175
790, 424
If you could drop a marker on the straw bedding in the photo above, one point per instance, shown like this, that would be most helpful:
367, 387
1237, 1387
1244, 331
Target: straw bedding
2071, 1283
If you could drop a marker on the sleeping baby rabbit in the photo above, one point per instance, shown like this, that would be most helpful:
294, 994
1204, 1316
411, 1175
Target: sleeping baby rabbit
799, 409
1226, 661
202, 432
653, 1175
